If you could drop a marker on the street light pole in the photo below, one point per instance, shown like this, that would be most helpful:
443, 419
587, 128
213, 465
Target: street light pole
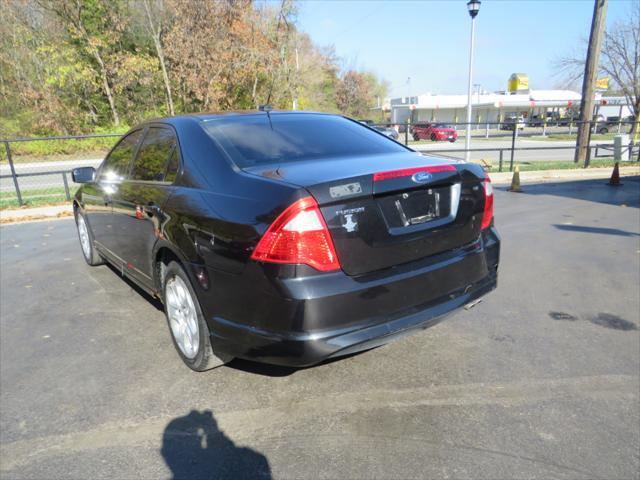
474, 7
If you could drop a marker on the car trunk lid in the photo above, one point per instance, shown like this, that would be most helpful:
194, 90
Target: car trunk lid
387, 210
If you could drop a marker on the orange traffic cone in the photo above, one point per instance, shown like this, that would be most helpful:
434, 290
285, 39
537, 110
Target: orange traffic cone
515, 181
614, 181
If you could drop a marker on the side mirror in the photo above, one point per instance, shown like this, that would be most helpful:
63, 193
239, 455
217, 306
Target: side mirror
83, 174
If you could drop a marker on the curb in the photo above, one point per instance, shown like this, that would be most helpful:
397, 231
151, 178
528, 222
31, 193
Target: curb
37, 213
544, 176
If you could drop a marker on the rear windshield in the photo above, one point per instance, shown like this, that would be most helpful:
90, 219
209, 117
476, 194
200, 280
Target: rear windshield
258, 139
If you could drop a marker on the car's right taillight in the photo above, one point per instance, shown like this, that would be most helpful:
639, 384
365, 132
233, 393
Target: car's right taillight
299, 235
487, 216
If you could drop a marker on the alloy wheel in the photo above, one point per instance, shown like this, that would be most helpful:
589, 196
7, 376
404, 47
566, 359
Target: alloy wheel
183, 316
83, 232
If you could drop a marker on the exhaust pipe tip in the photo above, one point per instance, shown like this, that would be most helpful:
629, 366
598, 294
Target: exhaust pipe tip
470, 305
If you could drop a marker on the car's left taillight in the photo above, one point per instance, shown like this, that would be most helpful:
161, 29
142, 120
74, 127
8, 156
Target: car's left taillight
487, 216
299, 236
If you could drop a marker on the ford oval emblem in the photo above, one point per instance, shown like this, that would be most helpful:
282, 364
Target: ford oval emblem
421, 177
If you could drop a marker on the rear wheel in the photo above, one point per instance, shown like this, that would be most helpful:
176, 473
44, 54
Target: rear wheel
433, 137
188, 328
91, 256
416, 138
452, 140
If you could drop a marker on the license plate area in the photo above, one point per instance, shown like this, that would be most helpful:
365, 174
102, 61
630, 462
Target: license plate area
426, 206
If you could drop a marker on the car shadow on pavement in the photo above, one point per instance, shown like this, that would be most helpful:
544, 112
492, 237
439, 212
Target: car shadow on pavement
600, 230
151, 299
269, 370
193, 447
591, 190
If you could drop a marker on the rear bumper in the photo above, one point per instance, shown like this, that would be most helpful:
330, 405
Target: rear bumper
331, 315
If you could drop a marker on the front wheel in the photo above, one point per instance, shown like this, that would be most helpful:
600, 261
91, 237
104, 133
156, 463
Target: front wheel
433, 137
188, 328
416, 138
452, 140
91, 256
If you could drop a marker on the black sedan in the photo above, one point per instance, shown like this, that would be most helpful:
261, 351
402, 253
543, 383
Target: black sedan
287, 237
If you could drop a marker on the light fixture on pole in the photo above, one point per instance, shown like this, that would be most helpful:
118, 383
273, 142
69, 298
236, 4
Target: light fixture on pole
474, 7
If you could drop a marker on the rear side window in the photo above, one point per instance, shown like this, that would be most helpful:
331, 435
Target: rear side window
117, 163
151, 162
173, 166
262, 139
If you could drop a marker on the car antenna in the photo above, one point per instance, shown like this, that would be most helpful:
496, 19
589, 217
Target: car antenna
267, 108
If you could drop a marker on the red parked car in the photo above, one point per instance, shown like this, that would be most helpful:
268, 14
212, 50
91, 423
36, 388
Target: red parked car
434, 132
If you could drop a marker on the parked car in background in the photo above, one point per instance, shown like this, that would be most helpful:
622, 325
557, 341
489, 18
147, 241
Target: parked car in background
610, 124
388, 131
550, 119
287, 237
539, 120
434, 132
513, 121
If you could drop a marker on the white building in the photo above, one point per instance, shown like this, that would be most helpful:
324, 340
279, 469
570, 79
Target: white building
494, 107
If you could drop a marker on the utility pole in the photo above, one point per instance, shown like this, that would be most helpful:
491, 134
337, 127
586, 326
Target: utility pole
589, 81
473, 6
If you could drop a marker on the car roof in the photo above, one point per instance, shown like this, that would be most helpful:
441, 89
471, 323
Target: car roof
208, 116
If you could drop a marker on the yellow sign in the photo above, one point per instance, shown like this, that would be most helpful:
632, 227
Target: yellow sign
603, 83
518, 82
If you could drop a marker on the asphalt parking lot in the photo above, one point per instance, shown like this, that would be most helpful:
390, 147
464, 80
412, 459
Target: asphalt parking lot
541, 380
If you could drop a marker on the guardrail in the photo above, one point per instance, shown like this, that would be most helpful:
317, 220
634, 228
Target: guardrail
29, 173
524, 128
35, 172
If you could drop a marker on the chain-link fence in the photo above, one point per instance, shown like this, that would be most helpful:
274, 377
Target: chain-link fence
37, 171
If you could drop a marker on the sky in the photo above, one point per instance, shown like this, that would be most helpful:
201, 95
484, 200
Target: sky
428, 40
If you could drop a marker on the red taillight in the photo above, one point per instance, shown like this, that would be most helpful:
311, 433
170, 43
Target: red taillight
487, 216
299, 235
407, 172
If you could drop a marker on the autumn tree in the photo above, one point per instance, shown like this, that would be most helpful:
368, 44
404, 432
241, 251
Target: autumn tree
155, 25
352, 94
74, 66
619, 59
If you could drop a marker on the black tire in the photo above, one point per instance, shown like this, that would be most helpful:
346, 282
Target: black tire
90, 254
603, 130
433, 137
452, 140
205, 358
416, 138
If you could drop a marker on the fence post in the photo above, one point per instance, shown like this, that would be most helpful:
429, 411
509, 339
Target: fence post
570, 126
13, 173
513, 146
486, 135
406, 133
500, 161
66, 185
